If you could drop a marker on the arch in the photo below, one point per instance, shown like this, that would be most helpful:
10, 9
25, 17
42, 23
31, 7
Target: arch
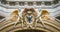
32, 30
50, 26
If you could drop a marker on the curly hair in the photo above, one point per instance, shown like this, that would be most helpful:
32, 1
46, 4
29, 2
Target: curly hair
15, 12
44, 12
26, 10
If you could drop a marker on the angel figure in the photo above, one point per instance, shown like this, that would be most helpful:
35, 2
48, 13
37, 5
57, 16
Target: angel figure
14, 17
44, 16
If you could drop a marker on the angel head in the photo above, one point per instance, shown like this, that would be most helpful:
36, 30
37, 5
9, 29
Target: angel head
15, 12
44, 12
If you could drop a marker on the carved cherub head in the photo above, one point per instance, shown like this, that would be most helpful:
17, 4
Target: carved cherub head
28, 11
44, 14
14, 15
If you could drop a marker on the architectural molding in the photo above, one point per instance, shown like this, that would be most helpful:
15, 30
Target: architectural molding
47, 23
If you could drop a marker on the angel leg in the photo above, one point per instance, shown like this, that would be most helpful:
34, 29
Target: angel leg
36, 23
42, 22
22, 24
15, 23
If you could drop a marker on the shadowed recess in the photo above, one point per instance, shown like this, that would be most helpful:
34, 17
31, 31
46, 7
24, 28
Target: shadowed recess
32, 30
